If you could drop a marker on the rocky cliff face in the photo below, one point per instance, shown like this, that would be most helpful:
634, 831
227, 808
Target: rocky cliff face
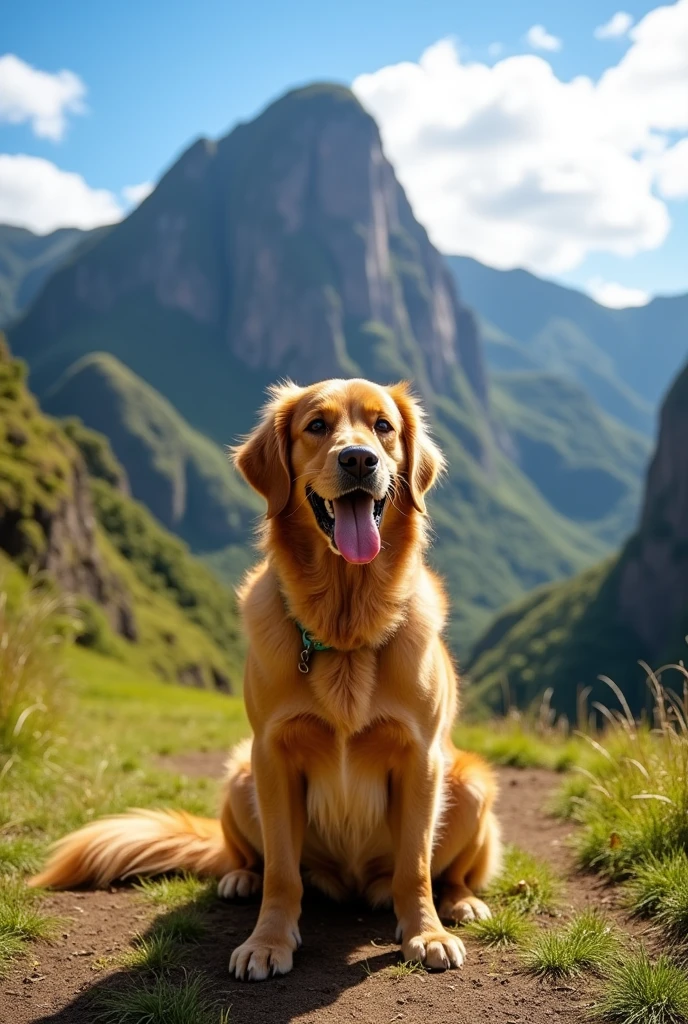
325, 231
653, 585
47, 523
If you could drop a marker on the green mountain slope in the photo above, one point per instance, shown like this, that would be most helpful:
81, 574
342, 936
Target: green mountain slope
289, 248
625, 358
26, 262
183, 477
603, 622
587, 465
143, 598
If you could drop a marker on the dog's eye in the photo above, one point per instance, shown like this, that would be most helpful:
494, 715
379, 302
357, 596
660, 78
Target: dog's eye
317, 426
383, 426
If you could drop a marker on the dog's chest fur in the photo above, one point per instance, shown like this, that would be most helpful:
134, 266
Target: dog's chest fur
346, 750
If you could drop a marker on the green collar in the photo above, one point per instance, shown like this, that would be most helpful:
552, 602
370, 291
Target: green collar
310, 644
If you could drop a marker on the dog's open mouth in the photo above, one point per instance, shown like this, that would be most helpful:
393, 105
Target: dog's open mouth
351, 522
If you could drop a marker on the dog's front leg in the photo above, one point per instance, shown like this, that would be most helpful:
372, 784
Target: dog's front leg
414, 811
281, 802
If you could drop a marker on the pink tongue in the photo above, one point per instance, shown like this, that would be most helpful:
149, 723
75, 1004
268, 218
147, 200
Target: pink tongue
355, 532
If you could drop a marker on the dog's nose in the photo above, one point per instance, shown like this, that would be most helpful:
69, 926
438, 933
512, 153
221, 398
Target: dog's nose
358, 460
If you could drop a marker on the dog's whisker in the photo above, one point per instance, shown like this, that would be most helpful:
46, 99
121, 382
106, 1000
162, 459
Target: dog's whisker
297, 508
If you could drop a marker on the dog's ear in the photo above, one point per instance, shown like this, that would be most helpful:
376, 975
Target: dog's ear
263, 458
424, 460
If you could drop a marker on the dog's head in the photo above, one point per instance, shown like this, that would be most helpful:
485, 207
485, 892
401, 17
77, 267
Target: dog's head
341, 452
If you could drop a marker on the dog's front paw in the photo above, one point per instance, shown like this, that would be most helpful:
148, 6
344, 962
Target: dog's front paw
464, 910
239, 883
260, 956
438, 950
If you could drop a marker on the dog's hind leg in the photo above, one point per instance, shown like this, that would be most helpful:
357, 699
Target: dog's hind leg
241, 827
468, 848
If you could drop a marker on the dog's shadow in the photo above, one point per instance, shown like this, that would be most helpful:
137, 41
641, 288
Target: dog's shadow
343, 944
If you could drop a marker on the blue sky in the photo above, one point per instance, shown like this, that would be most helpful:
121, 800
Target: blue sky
158, 75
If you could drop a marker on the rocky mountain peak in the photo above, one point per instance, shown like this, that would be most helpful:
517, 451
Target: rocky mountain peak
653, 588
286, 248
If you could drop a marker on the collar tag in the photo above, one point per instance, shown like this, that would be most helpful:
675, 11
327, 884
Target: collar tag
310, 644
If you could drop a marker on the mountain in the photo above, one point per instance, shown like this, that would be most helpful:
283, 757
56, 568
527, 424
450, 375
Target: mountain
65, 515
26, 262
289, 248
181, 475
632, 607
625, 358
588, 465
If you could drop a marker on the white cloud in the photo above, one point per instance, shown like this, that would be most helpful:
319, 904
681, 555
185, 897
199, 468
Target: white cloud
618, 25
495, 49
647, 91
41, 98
671, 169
135, 194
516, 167
615, 295
540, 39
36, 194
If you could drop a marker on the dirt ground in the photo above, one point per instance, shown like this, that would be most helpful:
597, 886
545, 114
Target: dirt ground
338, 973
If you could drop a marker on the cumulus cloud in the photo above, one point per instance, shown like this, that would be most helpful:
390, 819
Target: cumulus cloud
516, 167
671, 170
44, 100
540, 39
36, 194
618, 25
135, 194
615, 295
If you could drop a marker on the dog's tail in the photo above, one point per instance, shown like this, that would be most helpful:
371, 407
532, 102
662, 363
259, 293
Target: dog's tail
138, 843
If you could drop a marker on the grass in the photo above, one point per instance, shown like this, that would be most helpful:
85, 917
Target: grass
404, 969
184, 924
176, 891
587, 943
640, 991
157, 952
516, 741
21, 855
508, 926
105, 762
632, 800
525, 884
34, 631
21, 920
659, 889
160, 1001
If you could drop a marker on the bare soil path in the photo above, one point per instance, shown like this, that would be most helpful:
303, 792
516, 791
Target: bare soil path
339, 973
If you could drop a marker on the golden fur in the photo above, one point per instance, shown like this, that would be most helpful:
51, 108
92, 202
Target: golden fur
351, 781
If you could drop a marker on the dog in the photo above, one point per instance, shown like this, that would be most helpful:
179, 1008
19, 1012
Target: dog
351, 782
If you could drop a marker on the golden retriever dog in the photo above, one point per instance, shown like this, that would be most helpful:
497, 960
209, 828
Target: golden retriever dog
351, 782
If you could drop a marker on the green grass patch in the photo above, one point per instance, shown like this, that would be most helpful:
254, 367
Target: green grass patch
176, 891
21, 855
587, 943
508, 926
642, 991
21, 920
632, 800
161, 1001
398, 971
156, 952
519, 743
184, 924
35, 629
525, 884
659, 889
105, 760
